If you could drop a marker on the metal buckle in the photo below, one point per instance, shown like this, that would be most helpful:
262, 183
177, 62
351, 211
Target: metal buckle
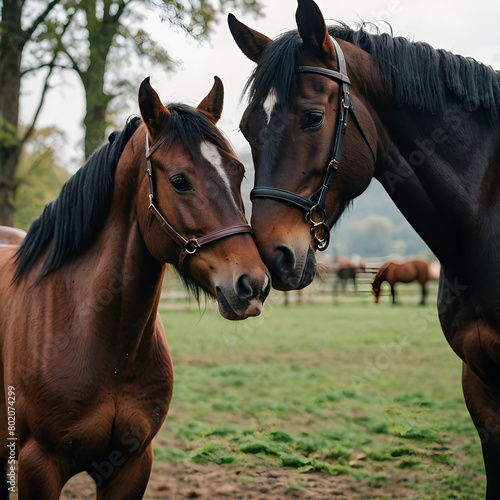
319, 229
191, 246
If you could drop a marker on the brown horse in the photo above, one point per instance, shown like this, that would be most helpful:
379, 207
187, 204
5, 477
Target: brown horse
331, 108
347, 271
402, 272
86, 371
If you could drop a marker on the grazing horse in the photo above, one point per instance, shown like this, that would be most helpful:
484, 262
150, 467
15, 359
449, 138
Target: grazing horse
402, 272
331, 108
86, 371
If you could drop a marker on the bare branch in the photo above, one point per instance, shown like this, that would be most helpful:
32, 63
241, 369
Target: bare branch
62, 49
47, 65
121, 8
28, 32
40, 104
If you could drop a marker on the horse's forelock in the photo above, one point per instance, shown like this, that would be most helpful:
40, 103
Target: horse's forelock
275, 71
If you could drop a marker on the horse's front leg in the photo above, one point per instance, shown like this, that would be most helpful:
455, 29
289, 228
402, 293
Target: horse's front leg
424, 294
483, 403
39, 477
130, 480
393, 294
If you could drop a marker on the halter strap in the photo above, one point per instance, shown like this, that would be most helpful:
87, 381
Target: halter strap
283, 195
188, 246
315, 206
335, 75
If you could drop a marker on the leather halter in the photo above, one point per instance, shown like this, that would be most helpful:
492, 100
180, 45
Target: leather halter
315, 205
188, 246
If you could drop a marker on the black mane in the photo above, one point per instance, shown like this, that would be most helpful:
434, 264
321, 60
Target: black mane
190, 127
70, 222
416, 75
276, 69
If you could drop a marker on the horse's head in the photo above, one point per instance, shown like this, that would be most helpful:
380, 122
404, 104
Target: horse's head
294, 123
190, 212
376, 292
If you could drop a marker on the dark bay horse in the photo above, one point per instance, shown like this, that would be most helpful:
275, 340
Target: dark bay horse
331, 108
86, 371
402, 272
346, 271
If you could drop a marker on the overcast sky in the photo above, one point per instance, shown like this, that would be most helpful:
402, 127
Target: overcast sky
464, 27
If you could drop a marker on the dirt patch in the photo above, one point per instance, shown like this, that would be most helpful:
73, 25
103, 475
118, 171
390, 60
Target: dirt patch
179, 481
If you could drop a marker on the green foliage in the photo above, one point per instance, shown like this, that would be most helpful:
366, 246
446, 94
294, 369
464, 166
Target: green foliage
212, 452
402, 450
172, 454
39, 178
98, 39
8, 133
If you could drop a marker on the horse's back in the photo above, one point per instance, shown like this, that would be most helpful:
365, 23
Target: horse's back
405, 272
421, 270
11, 236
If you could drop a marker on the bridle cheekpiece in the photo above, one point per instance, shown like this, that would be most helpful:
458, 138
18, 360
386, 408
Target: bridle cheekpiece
315, 205
191, 245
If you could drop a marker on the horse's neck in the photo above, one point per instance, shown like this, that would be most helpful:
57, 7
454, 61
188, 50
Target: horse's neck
435, 170
124, 279
379, 279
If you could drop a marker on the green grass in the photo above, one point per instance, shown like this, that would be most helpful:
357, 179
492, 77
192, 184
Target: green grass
352, 388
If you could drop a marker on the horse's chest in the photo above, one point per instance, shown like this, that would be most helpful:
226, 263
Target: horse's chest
83, 417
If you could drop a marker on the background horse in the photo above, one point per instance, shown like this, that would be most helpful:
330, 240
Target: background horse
402, 272
346, 271
87, 374
329, 109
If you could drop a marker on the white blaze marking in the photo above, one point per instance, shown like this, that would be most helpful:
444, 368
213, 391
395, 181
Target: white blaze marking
212, 155
269, 104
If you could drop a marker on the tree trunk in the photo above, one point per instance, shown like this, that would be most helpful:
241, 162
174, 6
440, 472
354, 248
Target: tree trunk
97, 102
101, 33
12, 42
7, 187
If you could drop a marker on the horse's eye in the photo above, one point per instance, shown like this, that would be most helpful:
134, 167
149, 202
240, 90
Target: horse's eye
312, 121
180, 183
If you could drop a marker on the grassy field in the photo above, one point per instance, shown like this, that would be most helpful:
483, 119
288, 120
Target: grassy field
371, 391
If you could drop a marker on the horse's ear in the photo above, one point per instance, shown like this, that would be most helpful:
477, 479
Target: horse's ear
153, 112
212, 104
312, 29
251, 42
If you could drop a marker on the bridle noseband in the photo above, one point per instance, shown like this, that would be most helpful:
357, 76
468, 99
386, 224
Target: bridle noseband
315, 205
188, 246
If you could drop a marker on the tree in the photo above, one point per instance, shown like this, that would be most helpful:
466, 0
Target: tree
80, 35
372, 237
16, 29
98, 32
39, 177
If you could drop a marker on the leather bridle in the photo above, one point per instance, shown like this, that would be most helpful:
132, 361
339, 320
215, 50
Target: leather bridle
315, 205
191, 245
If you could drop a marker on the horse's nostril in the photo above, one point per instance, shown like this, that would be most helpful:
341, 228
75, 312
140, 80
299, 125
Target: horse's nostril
244, 287
285, 259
